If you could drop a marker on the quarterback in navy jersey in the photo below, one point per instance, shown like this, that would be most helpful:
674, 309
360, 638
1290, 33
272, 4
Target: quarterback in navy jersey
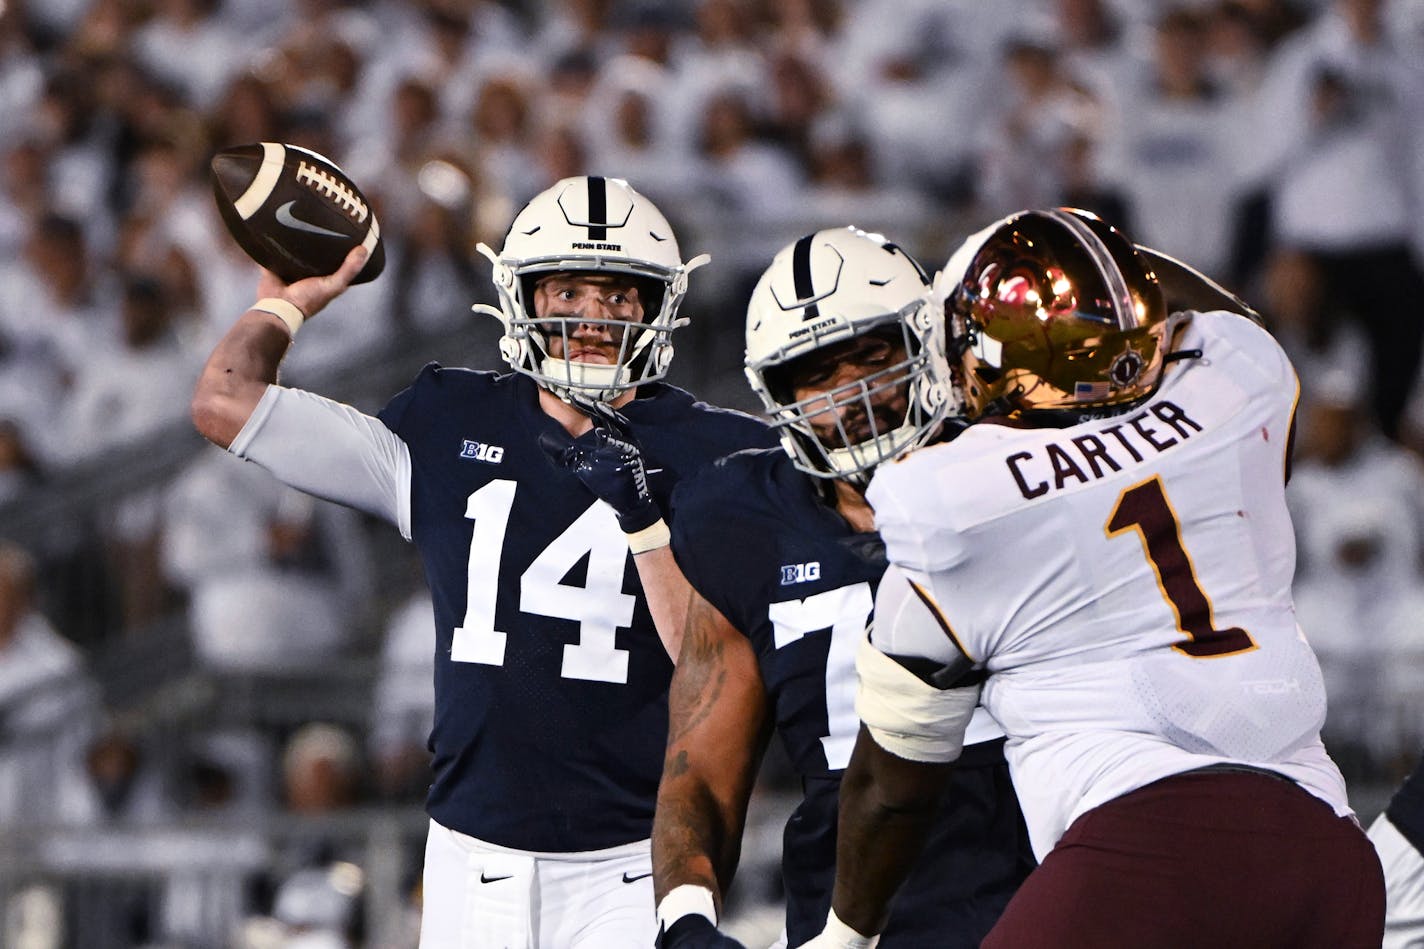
779, 546
536, 500
558, 746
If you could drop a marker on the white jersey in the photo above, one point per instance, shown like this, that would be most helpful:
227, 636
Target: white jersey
1127, 582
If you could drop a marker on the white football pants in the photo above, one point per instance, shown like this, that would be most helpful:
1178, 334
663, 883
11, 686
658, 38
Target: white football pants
480, 896
1404, 886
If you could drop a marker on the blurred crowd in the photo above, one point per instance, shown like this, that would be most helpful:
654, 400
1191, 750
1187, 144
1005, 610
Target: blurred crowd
1276, 144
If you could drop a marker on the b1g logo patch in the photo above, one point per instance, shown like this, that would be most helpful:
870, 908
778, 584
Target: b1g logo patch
479, 451
800, 572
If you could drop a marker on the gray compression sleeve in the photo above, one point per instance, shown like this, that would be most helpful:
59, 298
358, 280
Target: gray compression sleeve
330, 450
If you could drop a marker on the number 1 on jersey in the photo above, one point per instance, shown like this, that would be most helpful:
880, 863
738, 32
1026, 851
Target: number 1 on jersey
476, 640
1144, 507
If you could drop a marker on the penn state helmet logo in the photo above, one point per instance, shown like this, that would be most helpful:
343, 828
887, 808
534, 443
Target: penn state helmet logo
815, 275
592, 206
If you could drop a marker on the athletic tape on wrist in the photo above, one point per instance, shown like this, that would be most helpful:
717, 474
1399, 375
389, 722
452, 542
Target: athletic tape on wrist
650, 538
843, 937
686, 900
284, 310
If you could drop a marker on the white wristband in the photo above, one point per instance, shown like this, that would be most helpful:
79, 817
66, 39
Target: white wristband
840, 936
284, 310
650, 538
686, 900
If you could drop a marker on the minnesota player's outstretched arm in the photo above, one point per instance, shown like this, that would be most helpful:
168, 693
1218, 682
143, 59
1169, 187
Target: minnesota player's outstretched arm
245, 360
717, 733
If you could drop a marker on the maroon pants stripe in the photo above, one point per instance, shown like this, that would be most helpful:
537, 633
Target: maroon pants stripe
1220, 859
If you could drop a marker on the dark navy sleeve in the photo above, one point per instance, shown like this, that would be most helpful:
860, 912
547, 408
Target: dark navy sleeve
398, 416
710, 532
1406, 808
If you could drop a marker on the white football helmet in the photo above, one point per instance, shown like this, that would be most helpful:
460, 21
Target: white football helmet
589, 224
827, 288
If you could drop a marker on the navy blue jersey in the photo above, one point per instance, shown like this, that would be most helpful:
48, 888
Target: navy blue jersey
550, 680
1406, 808
754, 537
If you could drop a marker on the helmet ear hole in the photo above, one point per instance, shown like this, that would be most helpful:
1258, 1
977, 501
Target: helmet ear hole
510, 350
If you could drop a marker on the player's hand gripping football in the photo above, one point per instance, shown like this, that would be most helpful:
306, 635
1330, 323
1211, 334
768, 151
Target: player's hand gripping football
312, 294
609, 462
695, 932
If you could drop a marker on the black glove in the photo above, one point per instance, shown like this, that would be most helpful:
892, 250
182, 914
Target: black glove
694, 931
609, 462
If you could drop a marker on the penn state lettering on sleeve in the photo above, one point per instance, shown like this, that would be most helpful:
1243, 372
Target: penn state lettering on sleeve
550, 680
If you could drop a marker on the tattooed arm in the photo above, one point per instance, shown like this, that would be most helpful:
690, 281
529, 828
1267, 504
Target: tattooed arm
718, 730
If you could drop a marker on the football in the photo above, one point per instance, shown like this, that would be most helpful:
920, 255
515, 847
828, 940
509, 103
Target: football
294, 211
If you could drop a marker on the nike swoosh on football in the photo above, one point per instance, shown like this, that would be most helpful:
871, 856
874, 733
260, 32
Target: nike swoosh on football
287, 218
485, 879
635, 879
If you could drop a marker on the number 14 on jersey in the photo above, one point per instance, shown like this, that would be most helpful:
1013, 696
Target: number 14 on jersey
600, 607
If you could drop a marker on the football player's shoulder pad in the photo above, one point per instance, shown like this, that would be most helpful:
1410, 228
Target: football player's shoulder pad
434, 383
726, 484
1238, 346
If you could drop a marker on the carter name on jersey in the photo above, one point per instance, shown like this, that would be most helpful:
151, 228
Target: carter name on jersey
1085, 458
